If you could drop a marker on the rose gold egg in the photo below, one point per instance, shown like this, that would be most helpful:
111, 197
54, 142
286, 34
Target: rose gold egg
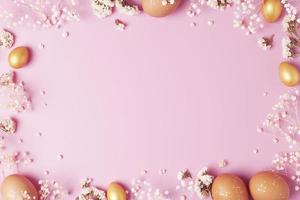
289, 74
18, 187
269, 185
229, 187
116, 192
19, 57
156, 8
271, 10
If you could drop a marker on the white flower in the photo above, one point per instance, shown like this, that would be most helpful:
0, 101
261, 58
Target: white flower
265, 43
102, 8
119, 25
8, 126
6, 39
126, 8
203, 183
287, 48
218, 4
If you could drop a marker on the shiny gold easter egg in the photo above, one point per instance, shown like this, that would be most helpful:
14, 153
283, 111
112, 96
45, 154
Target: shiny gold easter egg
271, 10
19, 57
16, 187
289, 74
160, 8
229, 187
269, 186
116, 192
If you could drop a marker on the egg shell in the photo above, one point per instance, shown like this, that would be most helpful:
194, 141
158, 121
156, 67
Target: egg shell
289, 74
116, 192
271, 10
19, 57
155, 8
14, 187
229, 187
269, 185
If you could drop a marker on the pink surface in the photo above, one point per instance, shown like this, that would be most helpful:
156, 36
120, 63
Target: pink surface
159, 95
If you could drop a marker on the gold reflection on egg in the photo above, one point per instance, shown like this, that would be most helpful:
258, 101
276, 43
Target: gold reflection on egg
229, 187
271, 10
289, 74
19, 57
269, 186
17, 187
156, 8
116, 192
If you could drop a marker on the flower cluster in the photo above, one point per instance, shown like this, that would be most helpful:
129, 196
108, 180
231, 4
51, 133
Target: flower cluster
90, 192
104, 8
43, 13
6, 39
13, 95
290, 45
142, 189
265, 43
200, 186
283, 121
218, 4
203, 184
11, 162
290, 24
246, 17
8, 126
289, 165
119, 25
51, 190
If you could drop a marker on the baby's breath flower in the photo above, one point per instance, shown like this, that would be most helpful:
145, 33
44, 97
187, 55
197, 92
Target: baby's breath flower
6, 39
265, 43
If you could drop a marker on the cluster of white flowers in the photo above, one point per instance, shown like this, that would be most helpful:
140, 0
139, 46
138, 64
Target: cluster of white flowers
90, 192
8, 126
142, 189
290, 24
125, 8
13, 95
246, 17
45, 14
265, 43
51, 190
184, 174
288, 163
6, 39
283, 120
104, 8
203, 184
289, 47
217, 4
119, 25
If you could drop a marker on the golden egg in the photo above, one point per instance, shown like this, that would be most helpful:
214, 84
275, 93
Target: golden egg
19, 57
271, 10
116, 192
16, 187
229, 187
269, 185
156, 8
289, 74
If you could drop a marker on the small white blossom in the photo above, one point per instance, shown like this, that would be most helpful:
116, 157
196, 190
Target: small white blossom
203, 183
265, 43
6, 39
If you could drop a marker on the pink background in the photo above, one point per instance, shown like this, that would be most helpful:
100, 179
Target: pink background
159, 95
